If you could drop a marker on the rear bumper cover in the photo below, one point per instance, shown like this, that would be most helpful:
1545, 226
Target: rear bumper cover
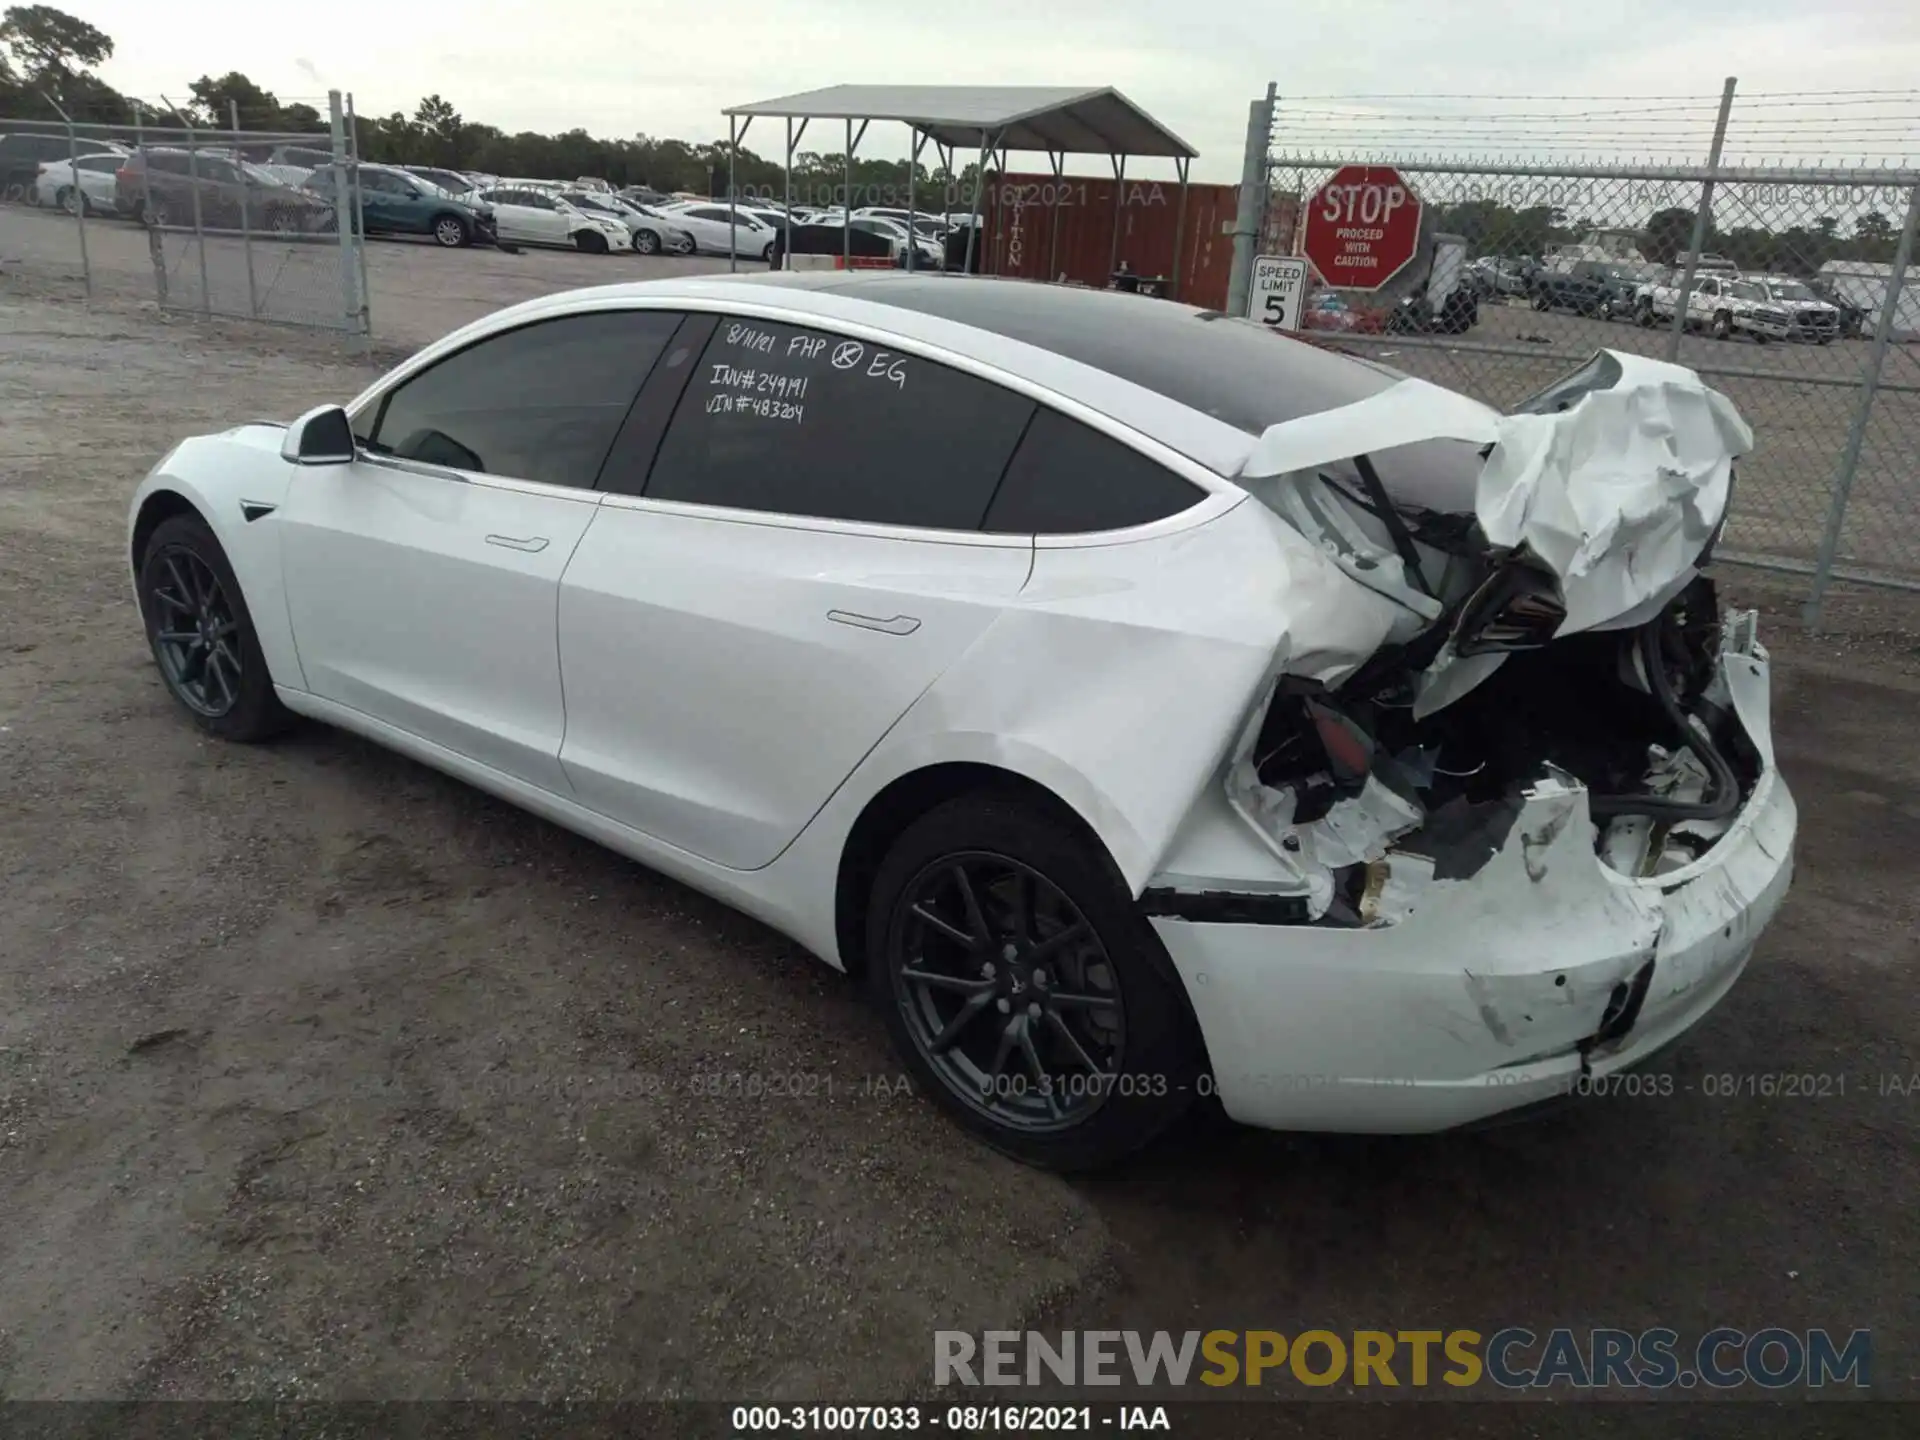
1509, 988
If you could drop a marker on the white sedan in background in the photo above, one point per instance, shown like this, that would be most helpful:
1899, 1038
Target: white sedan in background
54, 187
652, 234
708, 222
1199, 710
537, 217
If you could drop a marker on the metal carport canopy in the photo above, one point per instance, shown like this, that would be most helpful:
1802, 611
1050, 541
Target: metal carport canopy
995, 119
1006, 117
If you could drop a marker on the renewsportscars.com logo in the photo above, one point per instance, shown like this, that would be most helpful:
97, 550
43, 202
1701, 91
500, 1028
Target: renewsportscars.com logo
1514, 1358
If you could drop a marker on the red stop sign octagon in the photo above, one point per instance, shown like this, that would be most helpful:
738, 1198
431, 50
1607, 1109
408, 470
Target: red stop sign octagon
1363, 227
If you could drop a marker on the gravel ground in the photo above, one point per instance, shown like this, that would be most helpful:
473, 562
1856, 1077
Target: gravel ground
323, 1076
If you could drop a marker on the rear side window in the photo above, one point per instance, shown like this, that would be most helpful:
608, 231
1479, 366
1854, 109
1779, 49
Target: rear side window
1068, 479
539, 403
802, 422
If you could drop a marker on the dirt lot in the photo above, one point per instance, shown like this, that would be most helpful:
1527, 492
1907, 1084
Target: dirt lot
322, 1076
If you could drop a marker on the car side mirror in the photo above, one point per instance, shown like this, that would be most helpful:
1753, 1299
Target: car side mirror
413, 194
322, 436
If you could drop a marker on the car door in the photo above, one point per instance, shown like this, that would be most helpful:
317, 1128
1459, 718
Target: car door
97, 179
380, 208
422, 580
549, 223
749, 614
707, 234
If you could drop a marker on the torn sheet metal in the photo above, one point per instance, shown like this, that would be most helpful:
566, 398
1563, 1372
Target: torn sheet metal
1618, 494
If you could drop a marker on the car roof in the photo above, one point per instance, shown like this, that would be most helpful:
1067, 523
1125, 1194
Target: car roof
1194, 380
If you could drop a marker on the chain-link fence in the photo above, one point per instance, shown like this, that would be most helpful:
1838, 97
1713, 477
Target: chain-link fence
1785, 285
216, 222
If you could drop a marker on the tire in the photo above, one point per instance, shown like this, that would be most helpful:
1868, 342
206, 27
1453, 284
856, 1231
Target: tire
1722, 325
690, 247
450, 232
1129, 1018
1643, 316
767, 253
591, 242
180, 557
69, 199
645, 242
1541, 302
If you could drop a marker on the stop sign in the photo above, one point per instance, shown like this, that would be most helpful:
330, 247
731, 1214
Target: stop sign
1363, 227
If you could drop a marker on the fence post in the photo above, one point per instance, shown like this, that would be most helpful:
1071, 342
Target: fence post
79, 195
346, 219
156, 248
359, 234
246, 211
1251, 211
199, 227
1857, 431
1682, 300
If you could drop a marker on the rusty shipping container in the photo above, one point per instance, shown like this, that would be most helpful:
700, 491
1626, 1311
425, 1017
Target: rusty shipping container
1040, 228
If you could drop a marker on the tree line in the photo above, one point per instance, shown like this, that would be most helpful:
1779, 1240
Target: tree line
48, 59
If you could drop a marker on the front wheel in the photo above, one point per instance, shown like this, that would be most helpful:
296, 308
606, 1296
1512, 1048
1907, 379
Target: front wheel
69, 200
591, 242
1541, 302
450, 231
202, 634
645, 242
1023, 989
1722, 326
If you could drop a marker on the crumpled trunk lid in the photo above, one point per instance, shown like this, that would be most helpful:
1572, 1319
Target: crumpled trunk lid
1594, 506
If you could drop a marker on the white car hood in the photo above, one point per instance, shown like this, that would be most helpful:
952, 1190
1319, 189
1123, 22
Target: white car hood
1618, 494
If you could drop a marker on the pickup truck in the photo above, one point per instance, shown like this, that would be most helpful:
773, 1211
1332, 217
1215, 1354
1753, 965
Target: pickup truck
1764, 308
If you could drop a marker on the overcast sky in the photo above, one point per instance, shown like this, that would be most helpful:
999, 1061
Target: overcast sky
668, 67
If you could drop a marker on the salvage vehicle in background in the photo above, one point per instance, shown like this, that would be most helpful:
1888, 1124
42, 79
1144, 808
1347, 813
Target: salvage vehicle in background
1806, 315
1201, 711
540, 217
22, 153
715, 231
168, 187
398, 202
55, 186
649, 233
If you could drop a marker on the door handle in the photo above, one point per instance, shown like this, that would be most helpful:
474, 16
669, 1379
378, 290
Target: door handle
532, 544
898, 625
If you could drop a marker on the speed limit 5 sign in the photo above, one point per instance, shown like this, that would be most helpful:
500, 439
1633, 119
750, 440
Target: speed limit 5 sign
1279, 290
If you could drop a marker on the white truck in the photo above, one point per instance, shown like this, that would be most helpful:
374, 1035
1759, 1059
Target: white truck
1764, 307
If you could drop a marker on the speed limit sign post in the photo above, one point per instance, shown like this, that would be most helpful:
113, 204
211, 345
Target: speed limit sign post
1279, 290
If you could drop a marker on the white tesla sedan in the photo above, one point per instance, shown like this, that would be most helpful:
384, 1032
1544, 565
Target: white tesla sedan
1147, 704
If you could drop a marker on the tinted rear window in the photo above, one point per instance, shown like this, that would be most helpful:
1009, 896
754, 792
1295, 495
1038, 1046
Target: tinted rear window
1239, 372
1234, 370
1067, 478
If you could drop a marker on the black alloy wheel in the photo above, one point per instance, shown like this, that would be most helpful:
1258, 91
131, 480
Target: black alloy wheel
1007, 992
1023, 988
202, 635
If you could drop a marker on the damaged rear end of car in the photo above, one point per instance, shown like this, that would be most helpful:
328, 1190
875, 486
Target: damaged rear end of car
1530, 839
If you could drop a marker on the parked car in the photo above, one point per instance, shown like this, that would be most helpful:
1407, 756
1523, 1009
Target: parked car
1173, 802
22, 153
54, 187
535, 217
859, 245
300, 157
162, 186
1586, 287
451, 181
715, 233
1854, 317
397, 202
646, 195
928, 254
650, 233
1807, 315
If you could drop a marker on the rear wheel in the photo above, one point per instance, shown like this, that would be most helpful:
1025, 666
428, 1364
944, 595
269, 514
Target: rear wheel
69, 199
202, 634
450, 231
591, 242
1024, 990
